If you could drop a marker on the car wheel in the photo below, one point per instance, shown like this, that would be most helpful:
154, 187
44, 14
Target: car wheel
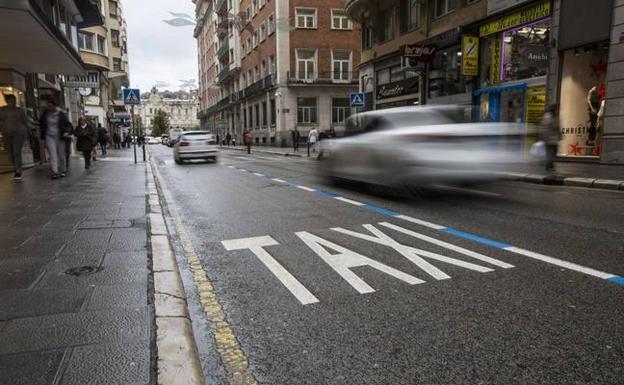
178, 161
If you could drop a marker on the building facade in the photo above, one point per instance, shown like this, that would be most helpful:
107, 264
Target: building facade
277, 66
508, 58
182, 113
38, 50
103, 48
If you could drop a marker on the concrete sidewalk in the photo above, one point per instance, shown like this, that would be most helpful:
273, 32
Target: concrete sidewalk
75, 303
594, 175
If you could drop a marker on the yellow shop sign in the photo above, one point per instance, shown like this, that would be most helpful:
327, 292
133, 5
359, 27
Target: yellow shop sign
518, 18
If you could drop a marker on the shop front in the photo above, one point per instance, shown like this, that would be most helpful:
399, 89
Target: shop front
514, 64
584, 56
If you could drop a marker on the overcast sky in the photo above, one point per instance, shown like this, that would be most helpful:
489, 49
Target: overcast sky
159, 52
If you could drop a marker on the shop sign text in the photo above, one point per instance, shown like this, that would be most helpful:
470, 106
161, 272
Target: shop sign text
393, 90
470, 56
525, 16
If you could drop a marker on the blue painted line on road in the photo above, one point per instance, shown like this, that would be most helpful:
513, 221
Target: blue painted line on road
380, 210
618, 280
476, 238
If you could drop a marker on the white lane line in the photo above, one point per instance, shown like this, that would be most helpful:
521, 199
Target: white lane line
561, 263
304, 188
420, 222
352, 202
279, 180
231, 167
258, 174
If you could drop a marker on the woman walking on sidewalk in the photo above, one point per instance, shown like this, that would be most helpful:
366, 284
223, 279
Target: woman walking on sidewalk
55, 127
87, 139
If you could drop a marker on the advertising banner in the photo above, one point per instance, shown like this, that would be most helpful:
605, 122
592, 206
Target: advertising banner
470, 56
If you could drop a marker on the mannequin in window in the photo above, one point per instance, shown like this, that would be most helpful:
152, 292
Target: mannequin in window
594, 103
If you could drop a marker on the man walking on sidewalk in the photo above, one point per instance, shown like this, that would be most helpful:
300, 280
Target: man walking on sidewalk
296, 137
14, 127
102, 137
247, 139
55, 127
87, 138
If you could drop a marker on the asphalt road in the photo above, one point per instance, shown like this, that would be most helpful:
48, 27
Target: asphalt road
506, 284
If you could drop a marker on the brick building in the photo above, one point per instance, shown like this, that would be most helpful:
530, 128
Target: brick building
279, 65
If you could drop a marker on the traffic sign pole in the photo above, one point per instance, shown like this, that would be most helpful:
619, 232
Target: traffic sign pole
133, 132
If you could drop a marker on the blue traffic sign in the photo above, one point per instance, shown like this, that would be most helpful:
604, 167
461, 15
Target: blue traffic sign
357, 99
132, 96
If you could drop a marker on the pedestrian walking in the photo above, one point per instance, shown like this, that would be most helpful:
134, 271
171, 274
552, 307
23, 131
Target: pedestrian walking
228, 139
550, 133
86, 139
102, 138
116, 141
296, 137
14, 127
67, 139
313, 137
218, 142
247, 139
55, 127
128, 140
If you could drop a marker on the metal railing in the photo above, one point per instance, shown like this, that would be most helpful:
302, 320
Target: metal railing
223, 49
324, 77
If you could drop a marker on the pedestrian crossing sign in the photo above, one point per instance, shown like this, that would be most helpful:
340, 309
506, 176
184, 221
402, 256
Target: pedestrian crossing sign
357, 99
132, 96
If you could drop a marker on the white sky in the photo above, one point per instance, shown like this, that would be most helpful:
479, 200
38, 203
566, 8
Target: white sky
157, 51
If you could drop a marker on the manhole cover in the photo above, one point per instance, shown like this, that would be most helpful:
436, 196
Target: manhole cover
84, 270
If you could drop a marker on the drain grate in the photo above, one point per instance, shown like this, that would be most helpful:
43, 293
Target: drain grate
83, 270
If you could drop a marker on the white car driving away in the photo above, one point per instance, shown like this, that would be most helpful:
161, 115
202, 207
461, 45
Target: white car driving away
196, 145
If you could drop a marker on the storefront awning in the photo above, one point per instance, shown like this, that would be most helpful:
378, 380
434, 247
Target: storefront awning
29, 42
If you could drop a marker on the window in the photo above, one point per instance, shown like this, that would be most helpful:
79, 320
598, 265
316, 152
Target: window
443, 7
271, 65
115, 38
85, 41
306, 110
101, 45
271, 25
341, 65
339, 19
264, 68
254, 39
306, 17
388, 24
257, 72
272, 112
249, 46
264, 114
367, 38
410, 15
250, 77
257, 107
263, 31
261, 3
112, 9
340, 110
383, 76
117, 64
306, 64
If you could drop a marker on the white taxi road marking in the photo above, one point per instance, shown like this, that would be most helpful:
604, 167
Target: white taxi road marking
256, 245
349, 201
485, 241
304, 188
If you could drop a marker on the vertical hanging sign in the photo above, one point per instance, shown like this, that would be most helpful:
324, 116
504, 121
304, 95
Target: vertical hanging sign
495, 67
470, 56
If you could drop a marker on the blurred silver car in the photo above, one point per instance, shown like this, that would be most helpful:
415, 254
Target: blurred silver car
422, 145
195, 145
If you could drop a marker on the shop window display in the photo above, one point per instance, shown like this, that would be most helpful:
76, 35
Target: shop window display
582, 100
525, 51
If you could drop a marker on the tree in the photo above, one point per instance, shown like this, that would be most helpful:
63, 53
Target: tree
160, 124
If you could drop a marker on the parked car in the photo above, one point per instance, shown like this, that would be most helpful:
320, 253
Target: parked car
196, 145
422, 145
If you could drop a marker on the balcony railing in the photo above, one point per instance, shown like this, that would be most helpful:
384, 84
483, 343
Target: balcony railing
223, 49
328, 77
224, 73
219, 5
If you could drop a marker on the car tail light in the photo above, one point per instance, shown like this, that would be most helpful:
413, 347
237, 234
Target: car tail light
184, 144
211, 142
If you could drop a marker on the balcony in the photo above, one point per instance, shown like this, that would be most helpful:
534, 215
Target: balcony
328, 77
224, 49
224, 73
221, 6
359, 10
